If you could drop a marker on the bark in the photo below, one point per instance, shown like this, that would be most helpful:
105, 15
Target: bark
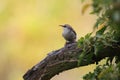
64, 59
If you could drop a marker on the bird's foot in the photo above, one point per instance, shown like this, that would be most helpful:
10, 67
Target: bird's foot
67, 43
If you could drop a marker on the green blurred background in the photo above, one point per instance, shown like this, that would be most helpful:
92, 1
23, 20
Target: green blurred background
29, 31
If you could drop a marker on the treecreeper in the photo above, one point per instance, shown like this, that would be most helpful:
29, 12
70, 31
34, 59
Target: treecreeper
68, 33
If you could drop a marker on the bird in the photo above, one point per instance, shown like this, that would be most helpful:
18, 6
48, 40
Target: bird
68, 33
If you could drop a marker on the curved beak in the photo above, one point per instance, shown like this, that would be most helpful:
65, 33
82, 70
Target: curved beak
61, 25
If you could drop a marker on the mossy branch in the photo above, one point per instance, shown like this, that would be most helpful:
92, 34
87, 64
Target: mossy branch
64, 59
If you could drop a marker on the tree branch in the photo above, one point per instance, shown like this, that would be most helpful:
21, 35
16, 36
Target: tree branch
64, 59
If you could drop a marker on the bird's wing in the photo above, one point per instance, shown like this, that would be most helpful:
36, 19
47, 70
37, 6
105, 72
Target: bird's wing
73, 30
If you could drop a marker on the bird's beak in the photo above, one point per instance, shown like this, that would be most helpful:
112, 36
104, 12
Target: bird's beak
61, 25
